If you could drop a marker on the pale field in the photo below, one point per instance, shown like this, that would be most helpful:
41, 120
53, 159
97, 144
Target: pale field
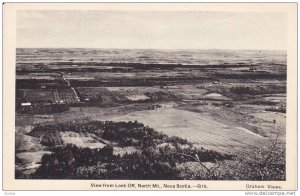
36, 77
137, 97
29, 143
83, 141
134, 89
199, 128
79, 78
216, 96
29, 157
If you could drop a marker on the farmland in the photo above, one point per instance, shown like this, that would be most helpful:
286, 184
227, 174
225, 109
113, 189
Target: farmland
219, 104
99, 95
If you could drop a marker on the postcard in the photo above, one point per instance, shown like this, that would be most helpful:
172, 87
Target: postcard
150, 96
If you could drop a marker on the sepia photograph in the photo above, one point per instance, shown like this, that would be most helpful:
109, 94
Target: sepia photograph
153, 94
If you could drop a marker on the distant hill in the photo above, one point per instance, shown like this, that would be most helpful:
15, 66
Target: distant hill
184, 57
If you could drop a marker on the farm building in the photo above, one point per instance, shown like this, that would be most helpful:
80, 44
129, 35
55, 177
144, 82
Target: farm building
26, 104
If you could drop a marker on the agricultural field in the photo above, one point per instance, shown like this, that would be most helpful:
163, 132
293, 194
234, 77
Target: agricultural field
81, 139
100, 96
67, 96
47, 96
37, 96
103, 115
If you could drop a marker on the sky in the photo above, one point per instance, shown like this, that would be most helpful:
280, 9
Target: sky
152, 30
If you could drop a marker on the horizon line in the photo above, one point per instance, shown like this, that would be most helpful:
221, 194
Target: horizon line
285, 50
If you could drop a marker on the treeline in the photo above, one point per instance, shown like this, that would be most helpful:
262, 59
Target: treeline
124, 67
141, 81
259, 90
251, 75
37, 83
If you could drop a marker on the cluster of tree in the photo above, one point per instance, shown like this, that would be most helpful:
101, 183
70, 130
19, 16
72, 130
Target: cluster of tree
71, 162
270, 89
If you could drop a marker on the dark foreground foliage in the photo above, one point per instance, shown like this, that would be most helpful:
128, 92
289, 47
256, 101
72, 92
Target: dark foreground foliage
157, 156
71, 162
